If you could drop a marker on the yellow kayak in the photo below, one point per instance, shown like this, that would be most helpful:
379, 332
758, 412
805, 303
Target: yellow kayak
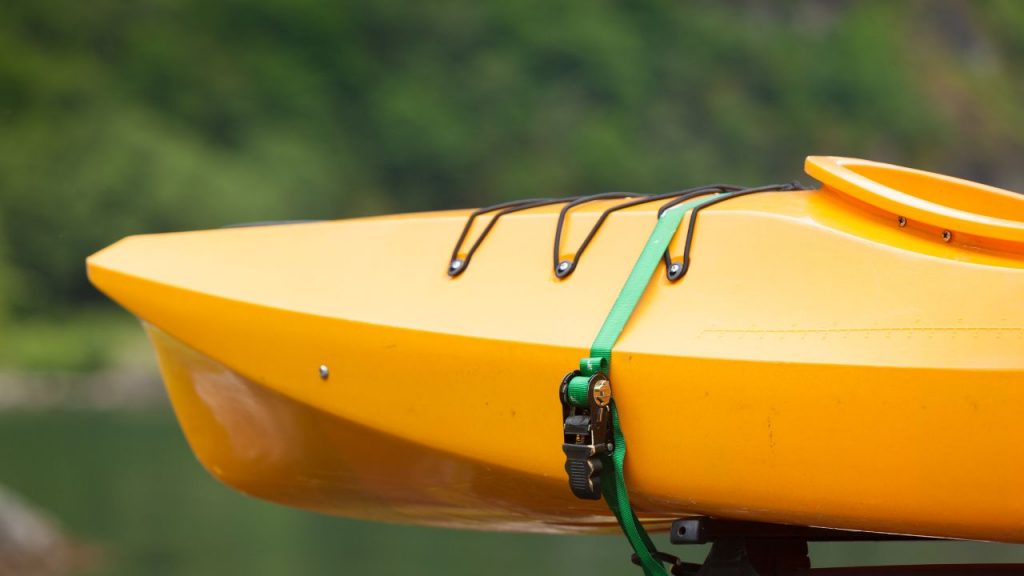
850, 357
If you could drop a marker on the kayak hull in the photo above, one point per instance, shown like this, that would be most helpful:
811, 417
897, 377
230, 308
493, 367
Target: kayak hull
829, 366
270, 446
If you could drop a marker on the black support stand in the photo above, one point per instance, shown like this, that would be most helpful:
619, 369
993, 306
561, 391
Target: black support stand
754, 549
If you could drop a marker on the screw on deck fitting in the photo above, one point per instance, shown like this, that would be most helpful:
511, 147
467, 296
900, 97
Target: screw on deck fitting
947, 235
455, 267
901, 221
563, 269
324, 371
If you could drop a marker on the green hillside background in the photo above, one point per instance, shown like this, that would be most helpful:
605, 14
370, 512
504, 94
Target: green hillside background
122, 117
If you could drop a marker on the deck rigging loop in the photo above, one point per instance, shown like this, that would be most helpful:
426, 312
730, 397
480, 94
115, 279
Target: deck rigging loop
563, 268
675, 270
458, 265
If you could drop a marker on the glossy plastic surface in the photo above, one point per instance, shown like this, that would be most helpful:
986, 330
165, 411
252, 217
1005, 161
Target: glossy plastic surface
818, 365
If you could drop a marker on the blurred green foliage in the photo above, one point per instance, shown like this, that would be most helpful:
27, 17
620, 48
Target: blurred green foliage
81, 341
121, 117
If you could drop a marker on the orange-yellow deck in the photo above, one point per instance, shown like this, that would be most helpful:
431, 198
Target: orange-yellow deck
820, 363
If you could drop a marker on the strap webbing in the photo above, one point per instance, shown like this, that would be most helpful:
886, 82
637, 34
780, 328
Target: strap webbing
613, 483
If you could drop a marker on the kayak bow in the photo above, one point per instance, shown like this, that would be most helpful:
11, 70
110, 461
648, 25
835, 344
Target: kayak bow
850, 356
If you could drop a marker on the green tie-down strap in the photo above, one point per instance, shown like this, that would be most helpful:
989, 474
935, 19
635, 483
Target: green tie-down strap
613, 483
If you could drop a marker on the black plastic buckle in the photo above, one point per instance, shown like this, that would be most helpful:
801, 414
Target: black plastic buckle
587, 434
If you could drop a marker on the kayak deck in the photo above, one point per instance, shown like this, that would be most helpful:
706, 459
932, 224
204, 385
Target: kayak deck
822, 363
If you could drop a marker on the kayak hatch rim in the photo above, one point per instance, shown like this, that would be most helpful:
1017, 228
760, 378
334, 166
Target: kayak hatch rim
950, 205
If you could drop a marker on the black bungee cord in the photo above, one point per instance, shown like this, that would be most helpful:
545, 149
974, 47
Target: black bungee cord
564, 267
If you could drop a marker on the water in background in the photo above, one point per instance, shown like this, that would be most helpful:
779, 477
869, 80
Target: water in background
127, 483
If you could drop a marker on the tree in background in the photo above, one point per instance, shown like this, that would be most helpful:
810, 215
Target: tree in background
130, 117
